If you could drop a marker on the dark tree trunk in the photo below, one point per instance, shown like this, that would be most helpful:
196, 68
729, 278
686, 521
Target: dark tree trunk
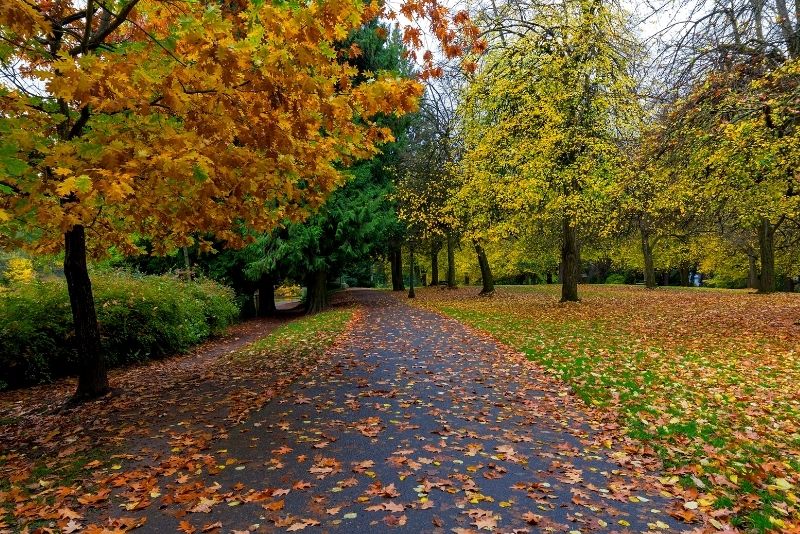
752, 271
486, 272
549, 277
435, 248
316, 291
647, 252
451, 262
92, 372
411, 293
396, 259
393, 267
570, 262
603, 267
665, 278
684, 274
266, 295
766, 242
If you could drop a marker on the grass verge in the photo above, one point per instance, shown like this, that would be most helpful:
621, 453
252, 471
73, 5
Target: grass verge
707, 379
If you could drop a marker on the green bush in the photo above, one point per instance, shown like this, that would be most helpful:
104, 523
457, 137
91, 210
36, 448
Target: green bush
725, 282
615, 279
140, 317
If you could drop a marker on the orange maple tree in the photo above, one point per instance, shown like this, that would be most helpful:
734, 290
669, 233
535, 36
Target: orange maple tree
129, 118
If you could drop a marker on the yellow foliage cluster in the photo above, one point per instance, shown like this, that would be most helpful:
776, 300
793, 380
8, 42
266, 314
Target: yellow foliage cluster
20, 271
544, 124
211, 119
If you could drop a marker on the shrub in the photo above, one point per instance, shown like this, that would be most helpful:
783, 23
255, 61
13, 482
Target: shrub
140, 317
615, 279
288, 291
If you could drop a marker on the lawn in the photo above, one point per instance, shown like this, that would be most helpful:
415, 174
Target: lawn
706, 378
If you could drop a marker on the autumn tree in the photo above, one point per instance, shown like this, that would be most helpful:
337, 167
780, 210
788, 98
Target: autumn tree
736, 137
135, 118
426, 174
358, 219
728, 74
543, 119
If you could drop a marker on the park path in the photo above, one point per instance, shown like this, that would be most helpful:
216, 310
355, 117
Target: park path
412, 423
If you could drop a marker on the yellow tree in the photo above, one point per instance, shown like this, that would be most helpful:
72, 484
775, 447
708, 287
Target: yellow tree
736, 138
543, 123
124, 118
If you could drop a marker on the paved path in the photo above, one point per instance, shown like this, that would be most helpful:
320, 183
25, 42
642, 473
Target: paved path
412, 424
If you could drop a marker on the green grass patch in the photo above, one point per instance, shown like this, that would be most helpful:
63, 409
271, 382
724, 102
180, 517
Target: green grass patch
712, 395
301, 338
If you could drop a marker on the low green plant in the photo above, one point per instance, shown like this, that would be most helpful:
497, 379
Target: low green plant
140, 317
615, 278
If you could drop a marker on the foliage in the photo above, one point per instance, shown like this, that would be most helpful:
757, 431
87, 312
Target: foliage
615, 279
730, 150
542, 121
140, 317
287, 291
207, 87
19, 271
698, 375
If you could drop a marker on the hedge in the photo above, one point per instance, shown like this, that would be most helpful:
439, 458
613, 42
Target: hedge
140, 317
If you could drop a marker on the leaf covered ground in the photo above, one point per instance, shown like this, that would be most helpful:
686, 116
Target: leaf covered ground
59, 467
402, 420
706, 378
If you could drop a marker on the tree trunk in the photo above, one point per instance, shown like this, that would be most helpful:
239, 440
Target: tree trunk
451, 262
435, 248
411, 293
647, 252
570, 262
603, 267
187, 263
266, 295
752, 272
396, 258
684, 274
92, 372
316, 291
549, 277
766, 236
486, 272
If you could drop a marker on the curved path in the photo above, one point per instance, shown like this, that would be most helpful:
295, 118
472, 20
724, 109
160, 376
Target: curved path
414, 423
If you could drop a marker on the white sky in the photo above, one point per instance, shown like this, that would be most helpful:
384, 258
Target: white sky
648, 25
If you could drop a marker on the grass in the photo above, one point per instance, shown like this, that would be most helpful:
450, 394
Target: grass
308, 336
707, 378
